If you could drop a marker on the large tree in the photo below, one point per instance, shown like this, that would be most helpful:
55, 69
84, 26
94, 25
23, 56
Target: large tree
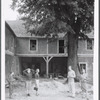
46, 17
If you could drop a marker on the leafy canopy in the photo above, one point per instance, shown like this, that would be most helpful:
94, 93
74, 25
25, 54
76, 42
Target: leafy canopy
46, 17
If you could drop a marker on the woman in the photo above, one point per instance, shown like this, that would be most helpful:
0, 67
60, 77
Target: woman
83, 83
36, 81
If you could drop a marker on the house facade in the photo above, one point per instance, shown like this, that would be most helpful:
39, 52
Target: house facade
50, 56
10, 45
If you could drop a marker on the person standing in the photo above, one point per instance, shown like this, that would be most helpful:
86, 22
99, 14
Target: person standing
10, 81
71, 82
28, 72
37, 81
83, 83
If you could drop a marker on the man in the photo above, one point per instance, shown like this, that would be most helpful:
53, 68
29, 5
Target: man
28, 72
71, 83
10, 81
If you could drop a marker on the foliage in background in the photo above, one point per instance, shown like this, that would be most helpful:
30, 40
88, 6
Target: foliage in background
46, 17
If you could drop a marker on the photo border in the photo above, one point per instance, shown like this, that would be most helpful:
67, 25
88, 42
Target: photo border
96, 51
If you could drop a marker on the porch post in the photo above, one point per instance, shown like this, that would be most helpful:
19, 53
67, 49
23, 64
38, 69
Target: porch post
47, 60
47, 68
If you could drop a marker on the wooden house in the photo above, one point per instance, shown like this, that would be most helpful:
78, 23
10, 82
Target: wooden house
25, 50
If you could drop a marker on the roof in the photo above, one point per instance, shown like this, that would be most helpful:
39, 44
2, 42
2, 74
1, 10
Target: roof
18, 28
91, 34
20, 31
6, 25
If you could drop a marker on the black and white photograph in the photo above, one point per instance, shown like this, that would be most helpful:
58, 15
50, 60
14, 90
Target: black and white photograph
48, 49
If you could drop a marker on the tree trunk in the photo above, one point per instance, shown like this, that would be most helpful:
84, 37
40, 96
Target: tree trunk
72, 51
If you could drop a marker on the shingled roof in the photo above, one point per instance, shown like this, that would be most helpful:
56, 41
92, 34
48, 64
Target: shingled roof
18, 28
20, 31
91, 34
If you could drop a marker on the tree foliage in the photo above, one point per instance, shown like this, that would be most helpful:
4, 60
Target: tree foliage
50, 17
43, 17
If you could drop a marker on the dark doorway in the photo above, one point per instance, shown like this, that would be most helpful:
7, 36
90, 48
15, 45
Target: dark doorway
33, 63
58, 65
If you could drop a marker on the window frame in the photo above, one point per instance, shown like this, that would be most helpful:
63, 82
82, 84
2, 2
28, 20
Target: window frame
36, 45
58, 47
92, 45
83, 63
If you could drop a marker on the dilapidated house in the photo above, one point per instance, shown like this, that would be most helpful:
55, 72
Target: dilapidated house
25, 50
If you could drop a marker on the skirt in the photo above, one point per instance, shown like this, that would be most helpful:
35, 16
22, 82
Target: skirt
83, 86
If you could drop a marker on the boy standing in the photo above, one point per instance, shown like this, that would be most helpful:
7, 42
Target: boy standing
36, 81
28, 72
71, 76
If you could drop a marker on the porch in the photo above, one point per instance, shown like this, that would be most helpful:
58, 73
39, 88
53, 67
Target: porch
47, 65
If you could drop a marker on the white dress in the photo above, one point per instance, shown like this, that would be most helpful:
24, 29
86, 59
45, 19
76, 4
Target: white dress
83, 82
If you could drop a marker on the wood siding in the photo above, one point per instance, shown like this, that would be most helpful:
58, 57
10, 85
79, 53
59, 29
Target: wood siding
82, 47
52, 48
23, 46
9, 40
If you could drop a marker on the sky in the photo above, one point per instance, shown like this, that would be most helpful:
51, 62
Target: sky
9, 14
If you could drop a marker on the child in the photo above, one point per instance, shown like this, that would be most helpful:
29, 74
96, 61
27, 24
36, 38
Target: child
71, 76
83, 83
28, 72
36, 81
10, 81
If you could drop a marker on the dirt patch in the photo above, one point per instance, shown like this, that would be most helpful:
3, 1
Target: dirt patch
49, 89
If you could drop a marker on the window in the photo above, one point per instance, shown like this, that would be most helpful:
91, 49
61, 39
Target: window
33, 44
90, 44
82, 65
61, 46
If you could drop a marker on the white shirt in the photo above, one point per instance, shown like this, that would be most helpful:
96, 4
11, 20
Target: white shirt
71, 76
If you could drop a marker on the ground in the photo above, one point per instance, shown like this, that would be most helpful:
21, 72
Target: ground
49, 90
